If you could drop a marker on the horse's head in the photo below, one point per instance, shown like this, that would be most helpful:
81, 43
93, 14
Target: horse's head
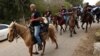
12, 32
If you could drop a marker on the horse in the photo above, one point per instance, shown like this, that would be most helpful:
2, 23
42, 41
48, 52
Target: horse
16, 29
87, 18
96, 11
58, 20
72, 23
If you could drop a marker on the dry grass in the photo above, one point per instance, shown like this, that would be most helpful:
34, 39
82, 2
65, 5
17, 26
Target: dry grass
85, 47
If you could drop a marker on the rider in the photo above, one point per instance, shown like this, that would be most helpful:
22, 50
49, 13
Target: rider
48, 14
35, 23
87, 9
64, 13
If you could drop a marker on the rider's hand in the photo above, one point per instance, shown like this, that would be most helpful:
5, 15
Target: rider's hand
40, 19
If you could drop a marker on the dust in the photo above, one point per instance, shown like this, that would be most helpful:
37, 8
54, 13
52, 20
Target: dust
85, 47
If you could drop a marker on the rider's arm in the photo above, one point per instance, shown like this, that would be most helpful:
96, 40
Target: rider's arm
36, 16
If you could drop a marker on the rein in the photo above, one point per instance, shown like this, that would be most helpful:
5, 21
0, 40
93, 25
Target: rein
16, 33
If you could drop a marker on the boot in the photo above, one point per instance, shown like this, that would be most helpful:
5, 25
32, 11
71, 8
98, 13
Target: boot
40, 47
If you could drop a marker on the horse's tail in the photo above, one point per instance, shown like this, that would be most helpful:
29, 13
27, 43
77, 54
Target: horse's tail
52, 34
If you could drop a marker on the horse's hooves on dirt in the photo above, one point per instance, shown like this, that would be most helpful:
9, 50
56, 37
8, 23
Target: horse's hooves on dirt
56, 48
42, 54
78, 27
83, 28
75, 33
36, 53
70, 35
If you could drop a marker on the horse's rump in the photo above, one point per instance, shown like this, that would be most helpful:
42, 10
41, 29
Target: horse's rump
50, 33
72, 21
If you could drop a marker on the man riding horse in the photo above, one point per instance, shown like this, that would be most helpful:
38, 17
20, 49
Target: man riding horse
87, 10
63, 13
35, 23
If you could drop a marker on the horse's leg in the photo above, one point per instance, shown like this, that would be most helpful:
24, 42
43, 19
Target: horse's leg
90, 24
65, 27
44, 43
97, 18
86, 27
53, 39
61, 30
36, 52
74, 31
76, 23
56, 26
70, 32
82, 25
30, 50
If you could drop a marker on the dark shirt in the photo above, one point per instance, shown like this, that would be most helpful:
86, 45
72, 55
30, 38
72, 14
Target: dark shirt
88, 8
47, 13
63, 12
35, 15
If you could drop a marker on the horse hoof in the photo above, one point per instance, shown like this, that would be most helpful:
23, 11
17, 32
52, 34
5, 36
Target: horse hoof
56, 48
42, 54
78, 27
36, 53
75, 33
70, 35
83, 28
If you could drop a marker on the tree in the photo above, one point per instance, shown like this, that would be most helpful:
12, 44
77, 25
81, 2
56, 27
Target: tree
12, 9
75, 2
98, 3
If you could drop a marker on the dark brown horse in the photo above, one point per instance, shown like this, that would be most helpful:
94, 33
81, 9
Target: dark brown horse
57, 20
86, 18
72, 23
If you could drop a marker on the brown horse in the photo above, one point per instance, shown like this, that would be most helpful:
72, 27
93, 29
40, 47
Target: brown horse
57, 20
24, 32
72, 23
86, 18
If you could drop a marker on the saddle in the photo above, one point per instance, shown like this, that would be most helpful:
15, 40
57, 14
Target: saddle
44, 28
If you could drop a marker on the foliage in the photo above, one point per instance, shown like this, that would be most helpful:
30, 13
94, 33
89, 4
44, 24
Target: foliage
75, 2
98, 3
13, 9
54, 7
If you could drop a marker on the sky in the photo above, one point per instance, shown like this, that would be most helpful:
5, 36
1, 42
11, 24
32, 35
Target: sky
91, 2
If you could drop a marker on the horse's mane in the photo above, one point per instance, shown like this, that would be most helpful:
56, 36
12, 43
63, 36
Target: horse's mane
25, 32
16, 24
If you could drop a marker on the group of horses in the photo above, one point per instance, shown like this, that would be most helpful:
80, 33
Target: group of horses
74, 17
16, 29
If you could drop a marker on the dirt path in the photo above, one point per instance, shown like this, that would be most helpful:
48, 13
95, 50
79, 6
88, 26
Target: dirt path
67, 45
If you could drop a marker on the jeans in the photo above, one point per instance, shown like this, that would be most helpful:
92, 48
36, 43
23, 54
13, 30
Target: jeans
36, 34
66, 18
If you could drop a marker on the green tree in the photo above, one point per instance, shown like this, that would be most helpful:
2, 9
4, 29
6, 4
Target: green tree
53, 5
14, 9
75, 2
98, 3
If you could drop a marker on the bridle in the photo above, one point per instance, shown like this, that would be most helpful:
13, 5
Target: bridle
15, 32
